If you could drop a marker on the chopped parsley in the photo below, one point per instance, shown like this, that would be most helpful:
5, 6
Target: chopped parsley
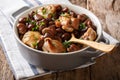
35, 28
82, 26
66, 44
64, 14
53, 16
44, 10
33, 22
35, 12
42, 23
28, 20
35, 44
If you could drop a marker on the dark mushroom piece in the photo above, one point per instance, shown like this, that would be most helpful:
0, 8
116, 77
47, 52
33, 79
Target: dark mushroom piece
38, 17
73, 47
73, 14
22, 20
82, 17
32, 13
89, 24
22, 29
65, 9
40, 43
66, 36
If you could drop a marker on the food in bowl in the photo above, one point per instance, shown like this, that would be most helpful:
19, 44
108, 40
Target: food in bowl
49, 29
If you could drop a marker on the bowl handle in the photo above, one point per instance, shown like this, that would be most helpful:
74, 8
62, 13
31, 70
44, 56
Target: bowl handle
17, 12
104, 40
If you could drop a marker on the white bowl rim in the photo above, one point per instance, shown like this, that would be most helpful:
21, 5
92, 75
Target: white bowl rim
38, 51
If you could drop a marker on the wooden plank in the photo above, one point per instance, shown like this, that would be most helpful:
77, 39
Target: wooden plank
46, 77
78, 74
107, 67
5, 72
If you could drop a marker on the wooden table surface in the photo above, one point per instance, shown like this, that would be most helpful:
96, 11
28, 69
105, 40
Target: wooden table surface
107, 67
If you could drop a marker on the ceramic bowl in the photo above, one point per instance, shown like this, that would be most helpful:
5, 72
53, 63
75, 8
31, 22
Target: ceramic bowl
61, 61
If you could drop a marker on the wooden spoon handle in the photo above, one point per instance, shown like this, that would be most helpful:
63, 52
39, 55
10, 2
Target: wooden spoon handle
96, 45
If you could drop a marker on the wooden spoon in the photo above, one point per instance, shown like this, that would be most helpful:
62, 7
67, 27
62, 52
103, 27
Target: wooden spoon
93, 44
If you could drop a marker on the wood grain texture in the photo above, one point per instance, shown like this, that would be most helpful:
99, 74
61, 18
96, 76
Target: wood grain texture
107, 67
5, 72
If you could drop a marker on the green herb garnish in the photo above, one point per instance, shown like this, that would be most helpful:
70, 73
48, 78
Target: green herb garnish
42, 23
82, 26
35, 12
35, 44
33, 22
66, 44
28, 20
64, 14
53, 16
44, 11
58, 19
35, 28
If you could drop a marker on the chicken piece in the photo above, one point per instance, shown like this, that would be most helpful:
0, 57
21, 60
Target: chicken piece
67, 28
53, 46
75, 23
47, 11
68, 22
65, 22
90, 34
31, 38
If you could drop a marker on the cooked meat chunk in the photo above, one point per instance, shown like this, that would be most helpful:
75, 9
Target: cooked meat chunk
67, 28
68, 22
89, 24
57, 23
53, 46
90, 34
47, 11
38, 17
75, 23
65, 19
30, 38
65, 22
82, 17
